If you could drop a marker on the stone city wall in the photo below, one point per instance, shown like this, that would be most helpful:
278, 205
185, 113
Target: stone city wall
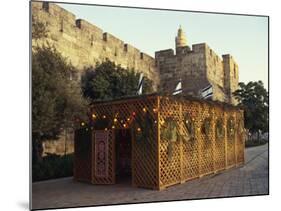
85, 44
64, 145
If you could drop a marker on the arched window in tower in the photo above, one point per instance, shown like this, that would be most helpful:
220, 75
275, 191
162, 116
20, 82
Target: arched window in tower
234, 71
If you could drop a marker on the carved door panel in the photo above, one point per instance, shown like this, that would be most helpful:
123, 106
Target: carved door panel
103, 170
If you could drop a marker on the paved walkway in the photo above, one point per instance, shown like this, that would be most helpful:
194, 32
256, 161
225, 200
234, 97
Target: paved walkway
250, 179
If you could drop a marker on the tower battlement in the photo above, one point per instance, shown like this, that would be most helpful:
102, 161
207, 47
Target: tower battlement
197, 67
85, 44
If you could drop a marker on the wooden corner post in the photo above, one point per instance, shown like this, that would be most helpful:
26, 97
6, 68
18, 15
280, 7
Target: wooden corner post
158, 144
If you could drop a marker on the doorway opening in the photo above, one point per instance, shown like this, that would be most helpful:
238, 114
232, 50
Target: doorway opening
123, 141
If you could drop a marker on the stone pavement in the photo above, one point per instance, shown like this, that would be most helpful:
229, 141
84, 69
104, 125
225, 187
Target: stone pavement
250, 179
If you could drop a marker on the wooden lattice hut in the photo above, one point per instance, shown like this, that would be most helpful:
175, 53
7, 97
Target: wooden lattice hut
158, 141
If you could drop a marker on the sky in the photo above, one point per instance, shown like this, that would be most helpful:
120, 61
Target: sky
244, 37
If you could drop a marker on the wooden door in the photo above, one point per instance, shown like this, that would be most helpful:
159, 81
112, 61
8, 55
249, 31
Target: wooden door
103, 157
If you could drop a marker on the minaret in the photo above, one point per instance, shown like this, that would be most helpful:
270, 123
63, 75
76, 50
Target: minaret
181, 38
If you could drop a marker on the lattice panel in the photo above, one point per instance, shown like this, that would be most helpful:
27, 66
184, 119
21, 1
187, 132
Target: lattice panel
82, 155
230, 141
205, 142
122, 114
208, 153
170, 166
219, 142
190, 149
145, 152
110, 178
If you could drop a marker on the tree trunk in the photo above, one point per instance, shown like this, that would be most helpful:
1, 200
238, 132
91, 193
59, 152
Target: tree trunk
65, 141
37, 148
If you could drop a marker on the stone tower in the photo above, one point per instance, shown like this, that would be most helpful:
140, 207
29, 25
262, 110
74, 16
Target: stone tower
231, 77
181, 38
198, 68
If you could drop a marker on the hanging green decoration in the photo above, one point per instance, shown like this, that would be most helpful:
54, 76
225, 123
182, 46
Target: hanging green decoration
170, 150
169, 132
189, 125
230, 127
240, 128
219, 129
206, 127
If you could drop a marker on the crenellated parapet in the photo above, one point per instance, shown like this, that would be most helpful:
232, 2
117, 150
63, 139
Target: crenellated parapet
85, 44
197, 67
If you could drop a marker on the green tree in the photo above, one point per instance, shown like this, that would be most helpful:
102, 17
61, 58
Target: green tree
39, 29
255, 100
56, 98
110, 81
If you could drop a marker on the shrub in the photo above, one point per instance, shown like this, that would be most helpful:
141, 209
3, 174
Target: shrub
255, 142
52, 167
